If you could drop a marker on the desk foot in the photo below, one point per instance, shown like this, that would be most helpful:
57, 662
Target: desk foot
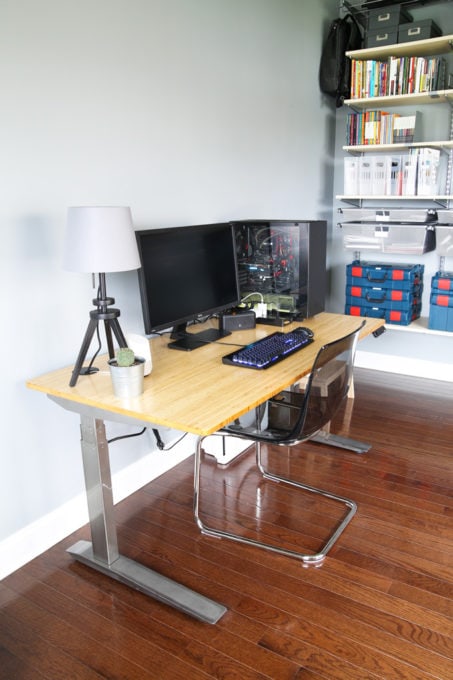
151, 583
341, 442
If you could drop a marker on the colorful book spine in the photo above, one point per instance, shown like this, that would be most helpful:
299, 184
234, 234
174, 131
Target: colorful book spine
396, 76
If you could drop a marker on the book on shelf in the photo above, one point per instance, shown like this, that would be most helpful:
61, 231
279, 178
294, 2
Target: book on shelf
410, 75
381, 127
368, 78
406, 129
396, 76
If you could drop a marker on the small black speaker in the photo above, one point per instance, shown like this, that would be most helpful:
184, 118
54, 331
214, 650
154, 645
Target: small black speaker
236, 321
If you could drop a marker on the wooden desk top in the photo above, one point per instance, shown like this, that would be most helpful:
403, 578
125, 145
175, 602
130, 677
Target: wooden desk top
194, 391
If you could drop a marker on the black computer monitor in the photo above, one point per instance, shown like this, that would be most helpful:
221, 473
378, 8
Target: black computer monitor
187, 274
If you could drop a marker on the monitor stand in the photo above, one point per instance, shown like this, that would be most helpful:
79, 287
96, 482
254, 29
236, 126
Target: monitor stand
188, 341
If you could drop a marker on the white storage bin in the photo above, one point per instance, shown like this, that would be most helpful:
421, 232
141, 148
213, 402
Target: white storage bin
395, 180
382, 166
394, 215
406, 239
445, 217
444, 239
409, 175
428, 172
366, 175
351, 176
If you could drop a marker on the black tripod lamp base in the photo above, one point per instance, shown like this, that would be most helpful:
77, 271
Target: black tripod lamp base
109, 316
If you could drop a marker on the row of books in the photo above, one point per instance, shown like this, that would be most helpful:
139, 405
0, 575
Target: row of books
381, 127
397, 75
418, 173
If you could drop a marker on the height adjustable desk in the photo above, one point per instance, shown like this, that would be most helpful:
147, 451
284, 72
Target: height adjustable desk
188, 391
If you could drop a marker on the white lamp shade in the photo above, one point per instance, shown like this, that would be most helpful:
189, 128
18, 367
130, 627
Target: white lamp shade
100, 239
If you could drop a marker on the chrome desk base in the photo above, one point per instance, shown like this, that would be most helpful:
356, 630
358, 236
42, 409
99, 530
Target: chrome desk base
151, 583
341, 442
102, 553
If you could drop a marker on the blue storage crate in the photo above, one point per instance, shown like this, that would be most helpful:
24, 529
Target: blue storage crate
441, 298
391, 316
442, 281
384, 297
403, 275
441, 302
387, 284
384, 304
440, 318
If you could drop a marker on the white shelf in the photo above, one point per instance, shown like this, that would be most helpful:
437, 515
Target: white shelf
422, 48
415, 98
394, 198
418, 326
418, 48
363, 148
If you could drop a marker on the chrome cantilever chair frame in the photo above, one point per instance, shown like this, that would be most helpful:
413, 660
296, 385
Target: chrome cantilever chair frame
295, 435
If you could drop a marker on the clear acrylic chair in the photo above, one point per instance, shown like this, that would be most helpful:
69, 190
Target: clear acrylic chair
290, 418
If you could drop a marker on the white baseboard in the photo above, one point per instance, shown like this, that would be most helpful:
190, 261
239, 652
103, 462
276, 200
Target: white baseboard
39, 536
420, 368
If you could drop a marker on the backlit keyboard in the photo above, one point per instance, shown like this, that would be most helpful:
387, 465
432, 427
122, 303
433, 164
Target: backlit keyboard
270, 350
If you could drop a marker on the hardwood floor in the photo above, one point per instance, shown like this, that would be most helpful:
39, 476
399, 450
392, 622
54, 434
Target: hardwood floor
380, 607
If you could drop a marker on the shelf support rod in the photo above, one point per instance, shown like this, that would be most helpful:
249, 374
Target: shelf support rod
449, 177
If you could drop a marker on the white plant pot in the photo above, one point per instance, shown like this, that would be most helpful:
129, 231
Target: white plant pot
127, 380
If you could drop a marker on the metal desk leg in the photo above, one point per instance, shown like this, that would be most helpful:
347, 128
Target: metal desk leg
102, 554
341, 442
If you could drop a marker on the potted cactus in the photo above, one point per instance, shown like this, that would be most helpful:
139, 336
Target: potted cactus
127, 373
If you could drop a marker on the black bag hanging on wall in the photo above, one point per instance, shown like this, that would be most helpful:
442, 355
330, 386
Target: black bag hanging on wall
335, 68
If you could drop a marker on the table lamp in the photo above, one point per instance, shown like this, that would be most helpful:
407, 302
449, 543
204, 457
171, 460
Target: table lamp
99, 240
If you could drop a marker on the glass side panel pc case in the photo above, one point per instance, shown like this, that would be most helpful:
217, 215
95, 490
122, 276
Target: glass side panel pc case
285, 263
187, 274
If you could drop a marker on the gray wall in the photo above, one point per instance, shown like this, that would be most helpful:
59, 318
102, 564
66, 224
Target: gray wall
185, 110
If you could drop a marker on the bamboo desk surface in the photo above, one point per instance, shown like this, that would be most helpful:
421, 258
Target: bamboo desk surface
194, 391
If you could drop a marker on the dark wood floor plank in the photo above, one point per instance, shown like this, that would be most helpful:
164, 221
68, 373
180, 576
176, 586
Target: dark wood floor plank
321, 572
72, 641
233, 640
108, 634
32, 649
287, 601
382, 530
13, 668
209, 657
370, 665
396, 567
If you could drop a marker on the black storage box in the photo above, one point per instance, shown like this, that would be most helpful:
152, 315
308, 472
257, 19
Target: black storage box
381, 37
418, 30
386, 18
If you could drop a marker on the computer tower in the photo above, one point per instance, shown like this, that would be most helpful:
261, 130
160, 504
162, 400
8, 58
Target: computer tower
283, 264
